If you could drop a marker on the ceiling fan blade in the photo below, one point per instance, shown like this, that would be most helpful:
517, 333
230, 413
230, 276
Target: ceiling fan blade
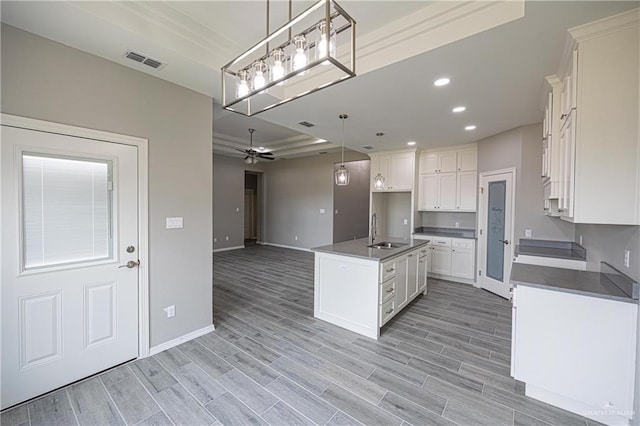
266, 153
241, 150
265, 158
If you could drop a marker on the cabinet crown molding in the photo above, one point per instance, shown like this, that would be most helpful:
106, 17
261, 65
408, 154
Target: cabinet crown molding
450, 148
605, 26
395, 151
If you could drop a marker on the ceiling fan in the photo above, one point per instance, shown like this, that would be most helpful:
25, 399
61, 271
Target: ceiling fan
253, 155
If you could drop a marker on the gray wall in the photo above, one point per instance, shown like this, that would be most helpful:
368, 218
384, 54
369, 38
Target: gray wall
228, 195
607, 243
351, 202
296, 190
521, 148
49, 81
447, 220
391, 209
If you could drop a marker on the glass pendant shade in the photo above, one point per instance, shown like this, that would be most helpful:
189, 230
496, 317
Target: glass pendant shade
378, 181
259, 75
300, 58
277, 66
324, 45
342, 176
243, 84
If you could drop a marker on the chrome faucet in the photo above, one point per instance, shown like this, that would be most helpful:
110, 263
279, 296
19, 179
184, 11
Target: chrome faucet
374, 227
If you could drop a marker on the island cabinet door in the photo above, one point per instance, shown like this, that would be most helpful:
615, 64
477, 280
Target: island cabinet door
402, 264
412, 275
423, 268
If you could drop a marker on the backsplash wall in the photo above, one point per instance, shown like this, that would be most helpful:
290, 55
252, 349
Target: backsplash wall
608, 243
447, 220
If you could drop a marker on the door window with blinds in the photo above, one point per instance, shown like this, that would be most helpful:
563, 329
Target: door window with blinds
67, 210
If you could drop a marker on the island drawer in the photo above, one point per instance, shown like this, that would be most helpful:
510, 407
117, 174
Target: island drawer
423, 252
387, 311
387, 270
387, 291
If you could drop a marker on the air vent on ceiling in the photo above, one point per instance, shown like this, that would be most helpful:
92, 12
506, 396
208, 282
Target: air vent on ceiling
138, 57
306, 124
367, 147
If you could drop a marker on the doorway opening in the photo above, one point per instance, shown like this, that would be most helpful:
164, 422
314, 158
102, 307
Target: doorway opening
253, 212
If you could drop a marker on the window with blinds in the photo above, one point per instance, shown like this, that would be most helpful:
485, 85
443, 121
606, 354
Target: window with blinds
67, 214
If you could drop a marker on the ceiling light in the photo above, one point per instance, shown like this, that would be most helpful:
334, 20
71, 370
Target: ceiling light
471, 127
441, 82
252, 155
342, 174
411, 143
459, 109
292, 60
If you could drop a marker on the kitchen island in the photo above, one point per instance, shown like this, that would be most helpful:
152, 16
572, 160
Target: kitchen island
360, 288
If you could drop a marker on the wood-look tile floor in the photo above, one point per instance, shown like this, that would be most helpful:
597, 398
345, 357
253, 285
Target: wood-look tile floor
443, 360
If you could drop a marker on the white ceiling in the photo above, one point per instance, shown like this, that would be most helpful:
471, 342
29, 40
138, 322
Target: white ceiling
496, 59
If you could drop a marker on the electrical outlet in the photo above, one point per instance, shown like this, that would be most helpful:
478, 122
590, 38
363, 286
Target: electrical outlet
580, 239
170, 311
215, 240
457, 224
527, 233
295, 238
405, 222
237, 209
627, 255
226, 238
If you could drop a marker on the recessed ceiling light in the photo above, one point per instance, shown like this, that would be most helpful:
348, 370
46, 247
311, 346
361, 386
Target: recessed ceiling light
441, 82
471, 127
411, 143
459, 109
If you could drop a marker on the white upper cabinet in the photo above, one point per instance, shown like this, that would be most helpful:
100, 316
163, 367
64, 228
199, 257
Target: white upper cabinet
467, 160
599, 135
397, 168
448, 179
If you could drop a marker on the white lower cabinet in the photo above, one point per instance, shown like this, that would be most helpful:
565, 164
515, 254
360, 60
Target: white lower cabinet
576, 352
402, 265
451, 258
462, 259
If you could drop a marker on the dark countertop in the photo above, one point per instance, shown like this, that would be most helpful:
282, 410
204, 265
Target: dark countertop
585, 283
358, 248
556, 249
446, 232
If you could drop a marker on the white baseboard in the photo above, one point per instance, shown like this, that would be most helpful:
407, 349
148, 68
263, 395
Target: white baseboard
228, 248
450, 278
179, 340
287, 247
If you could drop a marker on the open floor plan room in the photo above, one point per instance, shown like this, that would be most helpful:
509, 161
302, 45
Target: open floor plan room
444, 360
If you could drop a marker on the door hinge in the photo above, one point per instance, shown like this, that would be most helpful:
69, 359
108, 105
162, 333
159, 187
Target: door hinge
481, 232
481, 190
479, 273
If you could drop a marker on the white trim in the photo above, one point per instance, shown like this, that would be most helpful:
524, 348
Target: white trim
179, 340
451, 278
285, 246
228, 248
143, 202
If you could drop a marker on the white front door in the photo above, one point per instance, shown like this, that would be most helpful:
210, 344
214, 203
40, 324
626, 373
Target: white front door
495, 224
69, 221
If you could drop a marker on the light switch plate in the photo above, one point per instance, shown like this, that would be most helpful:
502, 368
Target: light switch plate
322, 211
175, 223
527, 233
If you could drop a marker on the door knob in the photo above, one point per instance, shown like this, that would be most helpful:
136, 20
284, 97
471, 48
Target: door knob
504, 241
130, 264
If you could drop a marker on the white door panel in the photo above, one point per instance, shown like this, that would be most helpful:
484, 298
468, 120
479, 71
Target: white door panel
72, 311
495, 223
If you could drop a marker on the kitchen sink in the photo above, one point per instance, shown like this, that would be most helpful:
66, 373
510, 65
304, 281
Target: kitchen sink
386, 245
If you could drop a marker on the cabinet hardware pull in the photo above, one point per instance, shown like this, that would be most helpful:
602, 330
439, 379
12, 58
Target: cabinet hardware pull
561, 210
389, 290
563, 116
422, 261
389, 311
390, 269
410, 255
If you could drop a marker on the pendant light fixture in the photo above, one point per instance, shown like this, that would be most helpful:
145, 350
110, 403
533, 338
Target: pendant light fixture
342, 174
378, 181
286, 64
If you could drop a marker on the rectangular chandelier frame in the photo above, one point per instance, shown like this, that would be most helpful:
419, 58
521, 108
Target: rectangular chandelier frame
259, 99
